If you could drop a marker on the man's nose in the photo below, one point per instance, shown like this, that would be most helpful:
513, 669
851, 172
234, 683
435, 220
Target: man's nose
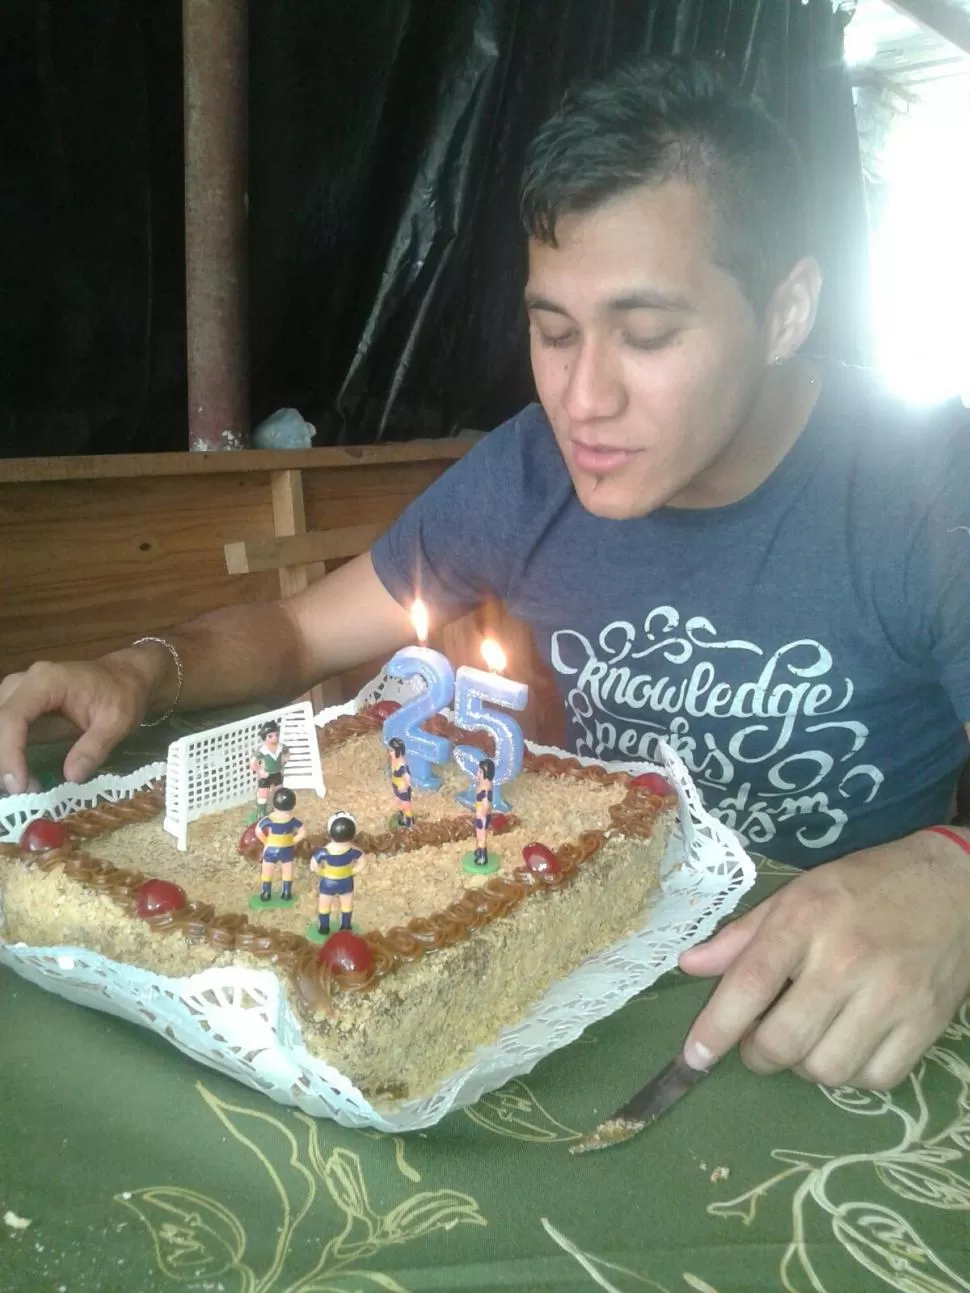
594, 389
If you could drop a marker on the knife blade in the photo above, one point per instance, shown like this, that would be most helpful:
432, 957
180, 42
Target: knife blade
647, 1105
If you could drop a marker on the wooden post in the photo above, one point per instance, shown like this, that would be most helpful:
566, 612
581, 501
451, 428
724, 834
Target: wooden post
215, 80
289, 518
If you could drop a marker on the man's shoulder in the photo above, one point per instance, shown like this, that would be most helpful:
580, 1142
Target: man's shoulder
869, 417
886, 446
526, 439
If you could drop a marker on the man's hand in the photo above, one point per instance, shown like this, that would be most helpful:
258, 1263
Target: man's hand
104, 699
875, 952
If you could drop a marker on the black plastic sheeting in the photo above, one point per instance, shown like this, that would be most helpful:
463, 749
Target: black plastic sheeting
386, 258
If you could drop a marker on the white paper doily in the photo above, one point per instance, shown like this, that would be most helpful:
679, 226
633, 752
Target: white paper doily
238, 1020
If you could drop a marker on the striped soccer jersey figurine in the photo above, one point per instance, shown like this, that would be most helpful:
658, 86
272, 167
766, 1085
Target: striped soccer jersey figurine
279, 833
483, 810
401, 782
336, 864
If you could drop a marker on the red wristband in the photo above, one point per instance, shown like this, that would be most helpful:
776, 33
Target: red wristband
958, 840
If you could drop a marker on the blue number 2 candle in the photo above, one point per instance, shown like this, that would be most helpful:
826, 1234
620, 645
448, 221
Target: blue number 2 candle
474, 691
422, 749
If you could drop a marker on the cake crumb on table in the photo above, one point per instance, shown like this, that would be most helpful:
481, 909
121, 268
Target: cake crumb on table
14, 1222
720, 1174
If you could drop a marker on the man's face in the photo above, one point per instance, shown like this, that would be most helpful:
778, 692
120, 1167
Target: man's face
272, 741
647, 356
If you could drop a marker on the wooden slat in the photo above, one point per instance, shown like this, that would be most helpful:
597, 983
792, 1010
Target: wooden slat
126, 465
286, 488
288, 519
376, 493
87, 566
247, 556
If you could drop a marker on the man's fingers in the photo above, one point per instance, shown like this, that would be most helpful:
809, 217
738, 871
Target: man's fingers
90, 750
848, 1045
793, 1027
869, 1047
13, 762
714, 956
24, 698
749, 986
895, 1057
101, 702
13, 738
51, 727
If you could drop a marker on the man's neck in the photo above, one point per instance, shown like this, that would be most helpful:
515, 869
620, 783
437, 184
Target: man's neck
779, 414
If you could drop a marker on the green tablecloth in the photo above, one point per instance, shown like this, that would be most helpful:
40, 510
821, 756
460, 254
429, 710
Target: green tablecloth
141, 1171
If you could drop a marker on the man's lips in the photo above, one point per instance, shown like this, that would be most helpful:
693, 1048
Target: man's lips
599, 460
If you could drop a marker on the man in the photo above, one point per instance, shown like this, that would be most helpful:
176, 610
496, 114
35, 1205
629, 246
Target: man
758, 557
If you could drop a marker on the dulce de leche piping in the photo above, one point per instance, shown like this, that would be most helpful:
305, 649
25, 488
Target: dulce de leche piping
634, 817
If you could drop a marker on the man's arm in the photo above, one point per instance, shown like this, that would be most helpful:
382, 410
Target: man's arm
273, 650
280, 649
871, 956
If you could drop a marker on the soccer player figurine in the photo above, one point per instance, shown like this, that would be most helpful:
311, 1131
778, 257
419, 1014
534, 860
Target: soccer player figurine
279, 833
336, 864
401, 783
483, 813
268, 761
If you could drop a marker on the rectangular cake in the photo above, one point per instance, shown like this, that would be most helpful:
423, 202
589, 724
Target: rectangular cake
447, 959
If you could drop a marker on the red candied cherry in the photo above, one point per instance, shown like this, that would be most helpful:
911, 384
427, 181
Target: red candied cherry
158, 898
384, 709
249, 840
654, 782
346, 952
43, 834
541, 860
499, 821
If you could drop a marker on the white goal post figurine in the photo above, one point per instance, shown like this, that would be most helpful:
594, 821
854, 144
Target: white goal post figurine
209, 771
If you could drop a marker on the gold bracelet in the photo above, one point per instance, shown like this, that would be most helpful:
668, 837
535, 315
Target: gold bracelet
178, 669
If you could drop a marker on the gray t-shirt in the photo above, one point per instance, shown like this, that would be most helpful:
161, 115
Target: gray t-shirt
805, 650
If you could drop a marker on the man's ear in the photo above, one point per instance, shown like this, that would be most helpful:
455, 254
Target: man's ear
791, 312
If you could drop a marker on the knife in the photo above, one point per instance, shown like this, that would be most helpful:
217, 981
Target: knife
646, 1106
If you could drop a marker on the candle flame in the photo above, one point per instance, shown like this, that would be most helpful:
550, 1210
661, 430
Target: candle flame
493, 655
419, 618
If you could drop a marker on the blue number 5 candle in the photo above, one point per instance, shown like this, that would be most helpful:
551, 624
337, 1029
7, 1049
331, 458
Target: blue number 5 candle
474, 691
422, 749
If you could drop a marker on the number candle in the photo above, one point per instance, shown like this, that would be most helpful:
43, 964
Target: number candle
422, 749
474, 689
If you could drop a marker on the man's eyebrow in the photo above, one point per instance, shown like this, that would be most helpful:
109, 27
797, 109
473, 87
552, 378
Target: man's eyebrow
533, 301
647, 299
638, 299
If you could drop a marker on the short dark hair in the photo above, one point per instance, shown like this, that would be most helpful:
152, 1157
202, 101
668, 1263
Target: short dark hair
284, 799
267, 729
664, 117
342, 828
